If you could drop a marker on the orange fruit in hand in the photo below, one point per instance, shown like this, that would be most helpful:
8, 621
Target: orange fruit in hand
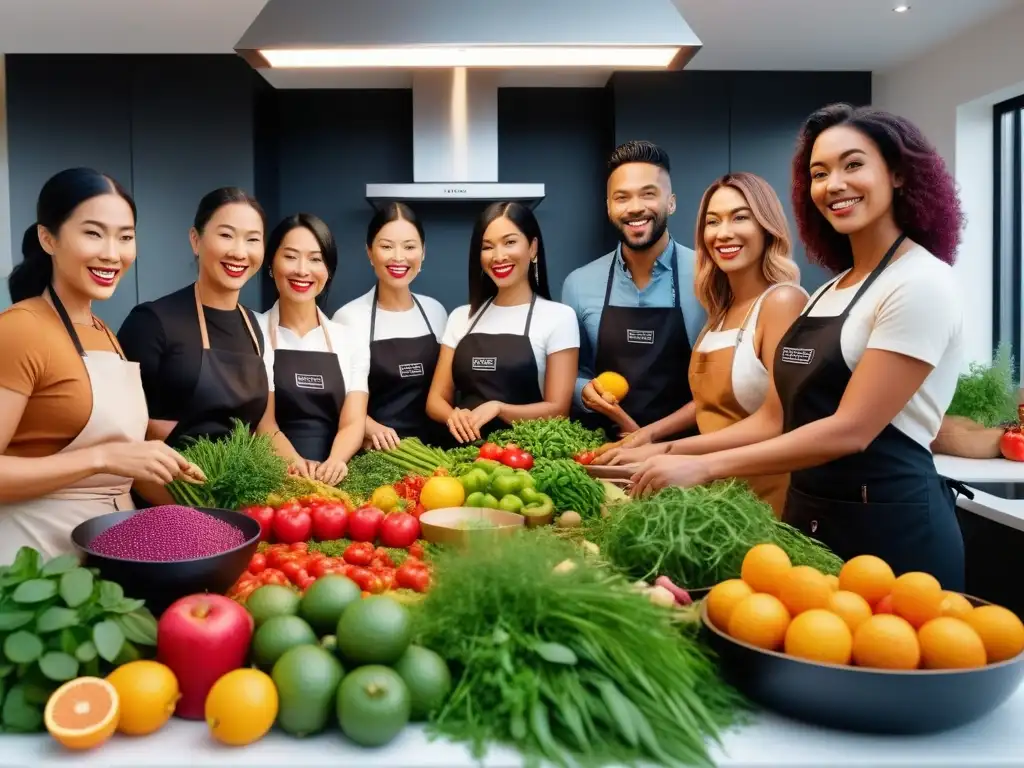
763, 567
850, 607
955, 605
868, 576
760, 620
614, 384
917, 597
886, 642
83, 713
819, 635
723, 598
948, 643
999, 629
803, 588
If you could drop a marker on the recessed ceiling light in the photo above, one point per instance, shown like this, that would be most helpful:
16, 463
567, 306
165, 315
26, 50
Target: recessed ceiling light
901, 8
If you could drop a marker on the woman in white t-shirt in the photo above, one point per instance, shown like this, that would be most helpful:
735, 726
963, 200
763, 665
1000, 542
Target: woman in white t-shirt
317, 410
510, 354
400, 330
863, 377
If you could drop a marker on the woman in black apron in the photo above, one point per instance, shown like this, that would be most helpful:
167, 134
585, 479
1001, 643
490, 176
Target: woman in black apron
872, 198
488, 374
318, 402
199, 350
401, 331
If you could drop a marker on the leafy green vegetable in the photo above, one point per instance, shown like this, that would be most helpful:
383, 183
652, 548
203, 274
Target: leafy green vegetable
569, 486
698, 536
987, 394
556, 438
367, 472
413, 457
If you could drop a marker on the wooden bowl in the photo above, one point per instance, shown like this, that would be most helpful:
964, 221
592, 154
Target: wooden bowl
461, 526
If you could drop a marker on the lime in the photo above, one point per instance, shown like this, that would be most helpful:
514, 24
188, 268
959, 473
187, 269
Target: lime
373, 705
326, 599
374, 630
307, 679
427, 677
272, 600
385, 498
276, 636
475, 499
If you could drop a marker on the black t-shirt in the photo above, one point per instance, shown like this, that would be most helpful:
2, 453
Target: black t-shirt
163, 337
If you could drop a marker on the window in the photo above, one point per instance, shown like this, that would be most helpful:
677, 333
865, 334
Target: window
1008, 237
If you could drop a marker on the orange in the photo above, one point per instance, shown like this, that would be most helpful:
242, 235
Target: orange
948, 643
850, 607
819, 635
886, 642
148, 692
764, 566
868, 576
833, 582
723, 597
917, 597
1000, 630
82, 713
614, 384
442, 492
884, 605
955, 605
760, 620
803, 588
241, 707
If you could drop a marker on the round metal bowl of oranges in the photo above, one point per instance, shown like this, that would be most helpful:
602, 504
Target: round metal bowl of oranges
864, 650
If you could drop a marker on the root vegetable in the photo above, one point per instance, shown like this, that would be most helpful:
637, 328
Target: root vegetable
591, 548
681, 595
570, 520
566, 566
662, 597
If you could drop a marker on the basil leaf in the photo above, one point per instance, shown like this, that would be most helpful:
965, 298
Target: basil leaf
58, 666
34, 591
18, 714
23, 647
26, 563
60, 565
108, 638
55, 617
76, 587
86, 652
138, 628
110, 594
15, 620
127, 605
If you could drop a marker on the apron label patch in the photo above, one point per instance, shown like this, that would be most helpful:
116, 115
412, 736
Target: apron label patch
485, 363
639, 337
797, 356
309, 381
410, 370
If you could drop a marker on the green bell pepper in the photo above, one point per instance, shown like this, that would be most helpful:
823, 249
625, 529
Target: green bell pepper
539, 508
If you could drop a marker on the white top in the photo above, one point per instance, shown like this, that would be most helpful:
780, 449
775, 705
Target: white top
749, 374
554, 327
913, 308
354, 359
408, 324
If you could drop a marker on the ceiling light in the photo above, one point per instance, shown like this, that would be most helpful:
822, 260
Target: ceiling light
485, 56
901, 8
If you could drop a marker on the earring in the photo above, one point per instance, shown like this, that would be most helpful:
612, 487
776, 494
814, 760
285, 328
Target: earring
536, 272
270, 272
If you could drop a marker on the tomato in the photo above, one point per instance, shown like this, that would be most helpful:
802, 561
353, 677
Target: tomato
516, 458
274, 576
293, 505
278, 557
399, 530
360, 553
258, 563
586, 457
364, 524
299, 546
366, 579
329, 522
265, 517
305, 581
416, 550
387, 578
413, 575
313, 500
381, 554
1011, 444
490, 451
292, 526
416, 510
292, 570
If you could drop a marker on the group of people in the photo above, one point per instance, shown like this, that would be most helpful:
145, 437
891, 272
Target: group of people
826, 404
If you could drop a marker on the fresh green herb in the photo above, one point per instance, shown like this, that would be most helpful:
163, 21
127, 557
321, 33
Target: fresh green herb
295, 487
59, 621
570, 665
569, 486
366, 473
556, 438
987, 394
412, 456
698, 536
460, 459
241, 469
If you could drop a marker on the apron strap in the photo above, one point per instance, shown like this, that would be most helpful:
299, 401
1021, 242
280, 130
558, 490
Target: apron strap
373, 312
867, 282
423, 313
529, 315
753, 307
65, 320
202, 323
272, 327
479, 314
673, 270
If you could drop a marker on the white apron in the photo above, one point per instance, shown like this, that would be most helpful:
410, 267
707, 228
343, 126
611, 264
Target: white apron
119, 414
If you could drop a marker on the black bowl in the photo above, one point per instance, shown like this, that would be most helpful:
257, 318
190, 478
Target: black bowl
160, 584
859, 699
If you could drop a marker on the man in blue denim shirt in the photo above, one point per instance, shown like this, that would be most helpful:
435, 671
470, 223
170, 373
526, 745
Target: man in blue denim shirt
636, 307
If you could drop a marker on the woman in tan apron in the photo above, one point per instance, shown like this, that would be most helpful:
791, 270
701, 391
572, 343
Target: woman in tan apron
65, 460
746, 281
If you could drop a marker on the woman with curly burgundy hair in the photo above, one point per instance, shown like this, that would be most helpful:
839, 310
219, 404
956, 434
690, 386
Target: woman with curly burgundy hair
862, 378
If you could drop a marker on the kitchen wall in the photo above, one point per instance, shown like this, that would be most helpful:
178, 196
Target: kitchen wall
173, 127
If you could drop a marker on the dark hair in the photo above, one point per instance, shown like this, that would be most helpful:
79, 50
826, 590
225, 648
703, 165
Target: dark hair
639, 152
214, 201
58, 199
481, 287
393, 211
926, 207
321, 233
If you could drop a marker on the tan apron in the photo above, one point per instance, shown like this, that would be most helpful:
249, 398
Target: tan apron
119, 414
711, 383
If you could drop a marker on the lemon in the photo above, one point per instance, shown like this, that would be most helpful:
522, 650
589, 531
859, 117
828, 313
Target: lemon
385, 498
241, 707
149, 692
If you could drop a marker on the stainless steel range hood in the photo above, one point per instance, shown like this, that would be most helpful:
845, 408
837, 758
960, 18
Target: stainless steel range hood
456, 51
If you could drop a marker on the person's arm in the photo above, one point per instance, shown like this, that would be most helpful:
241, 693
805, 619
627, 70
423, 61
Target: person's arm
347, 441
678, 421
282, 445
585, 364
144, 341
441, 397
558, 382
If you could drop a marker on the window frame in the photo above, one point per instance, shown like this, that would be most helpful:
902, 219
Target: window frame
1008, 204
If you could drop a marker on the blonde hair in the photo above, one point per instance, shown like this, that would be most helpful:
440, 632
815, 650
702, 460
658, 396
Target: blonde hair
711, 286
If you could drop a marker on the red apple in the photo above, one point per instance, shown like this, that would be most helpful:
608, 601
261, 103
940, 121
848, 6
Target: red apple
202, 638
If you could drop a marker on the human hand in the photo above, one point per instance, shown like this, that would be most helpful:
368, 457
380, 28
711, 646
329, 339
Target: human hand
382, 439
460, 424
627, 454
594, 398
662, 471
485, 413
152, 461
332, 471
304, 468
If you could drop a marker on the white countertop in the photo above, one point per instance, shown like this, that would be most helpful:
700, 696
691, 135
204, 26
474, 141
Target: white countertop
970, 471
769, 742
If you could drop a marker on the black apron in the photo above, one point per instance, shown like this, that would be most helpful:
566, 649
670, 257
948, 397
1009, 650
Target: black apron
309, 392
230, 386
650, 347
400, 374
887, 500
496, 366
